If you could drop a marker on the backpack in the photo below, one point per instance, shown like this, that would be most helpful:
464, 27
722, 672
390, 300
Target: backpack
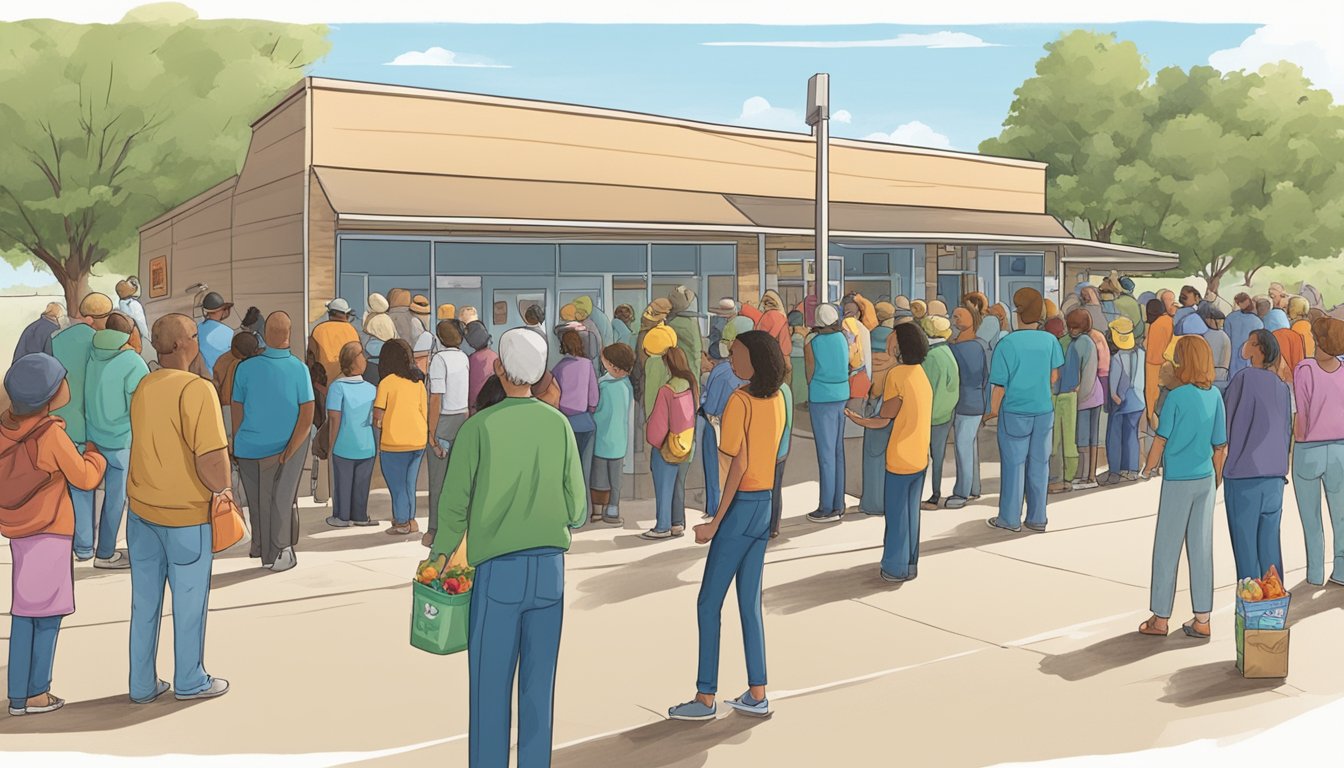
24, 480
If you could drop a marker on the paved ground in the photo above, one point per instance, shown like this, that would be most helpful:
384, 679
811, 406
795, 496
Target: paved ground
1007, 648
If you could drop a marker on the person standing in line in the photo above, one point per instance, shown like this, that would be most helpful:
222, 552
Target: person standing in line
245, 345
753, 426
113, 374
860, 353
215, 336
327, 340
1298, 309
796, 362
907, 404
1318, 454
37, 517
1127, 306
514, 490
972, 357
826, 358
940, 367
622, 331
1220, 344
350, 432
1126, 389
73, 347
36, 336
481, 362
670, 432
593, 317
1291, 350
1189, 307
719, 385
1025, 366
1091, 395
273, 406
1191, 445
1240, 324
875, 440
1064, 438
772, 319
449, 378
380, 330
408, 325
615, 403
1259, 429
1276, 313
179, 465
685, 320
128, 303
401, 425
578, 398
1160, 335
1278, 299
720, 314
777, 492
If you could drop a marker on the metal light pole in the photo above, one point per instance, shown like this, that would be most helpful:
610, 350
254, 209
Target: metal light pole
819, 116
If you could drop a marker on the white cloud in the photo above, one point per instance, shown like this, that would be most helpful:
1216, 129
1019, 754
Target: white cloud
915, 134
442, 57
24, 275
758, 113
1318, 48
942, 39
842, 116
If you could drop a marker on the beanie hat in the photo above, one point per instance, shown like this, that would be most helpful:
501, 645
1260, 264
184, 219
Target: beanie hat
377, 303
681, 298
583, 307
827, 315
659, 339
885, 311
479, 337
381, 327
32, 381
522, 353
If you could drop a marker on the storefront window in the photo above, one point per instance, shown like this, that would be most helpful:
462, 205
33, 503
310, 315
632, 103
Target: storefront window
494, 258
675, 258
589, 258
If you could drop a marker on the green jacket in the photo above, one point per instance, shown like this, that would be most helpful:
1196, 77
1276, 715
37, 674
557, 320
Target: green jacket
655, 376
1129, 307
688, 338
109, 381
514, 482
941, 368
72, 347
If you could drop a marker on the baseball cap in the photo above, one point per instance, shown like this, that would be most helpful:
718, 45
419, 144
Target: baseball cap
95, 305
339, 305
214, 301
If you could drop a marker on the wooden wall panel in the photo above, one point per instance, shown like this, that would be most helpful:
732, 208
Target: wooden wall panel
321, 250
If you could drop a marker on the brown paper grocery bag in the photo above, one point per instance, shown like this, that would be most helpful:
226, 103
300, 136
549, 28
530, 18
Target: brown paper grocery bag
1265, 654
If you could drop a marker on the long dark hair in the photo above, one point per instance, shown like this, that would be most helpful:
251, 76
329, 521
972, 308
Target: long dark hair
675, 360
767, 363
1269, 346
492, 393
397, 359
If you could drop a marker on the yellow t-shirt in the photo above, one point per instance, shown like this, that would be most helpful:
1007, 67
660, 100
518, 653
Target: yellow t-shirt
908, 446
175, 418
755, 425
405, 406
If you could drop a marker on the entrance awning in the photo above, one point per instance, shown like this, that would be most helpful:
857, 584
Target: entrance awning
862, 218
1096, 256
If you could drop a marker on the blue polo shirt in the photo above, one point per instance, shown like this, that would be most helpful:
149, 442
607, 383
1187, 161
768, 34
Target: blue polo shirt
719, 386
215, 338
270, 387
1022, 364
352, 397
1193, 422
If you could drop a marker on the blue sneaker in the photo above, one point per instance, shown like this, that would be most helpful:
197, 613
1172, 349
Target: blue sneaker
894, 579
692, 710
833, 516
747, 706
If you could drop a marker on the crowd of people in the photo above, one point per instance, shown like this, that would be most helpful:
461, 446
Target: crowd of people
527, 438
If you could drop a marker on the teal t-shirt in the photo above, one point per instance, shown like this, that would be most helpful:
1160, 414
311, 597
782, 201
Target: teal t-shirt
1193, 422
614, 399
270, 387
72, 348
787, 393
353, 397
1022, 364
830, 368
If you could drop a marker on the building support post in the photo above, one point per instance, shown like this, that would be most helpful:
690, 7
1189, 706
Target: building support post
818, 116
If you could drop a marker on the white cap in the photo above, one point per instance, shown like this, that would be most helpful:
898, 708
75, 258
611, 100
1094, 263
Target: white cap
423, 343
827, 315
522, 352
339, 305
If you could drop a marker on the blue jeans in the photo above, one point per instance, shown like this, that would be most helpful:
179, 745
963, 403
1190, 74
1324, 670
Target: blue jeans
1184, 521
32, 652
181, 559
1254, 508
1314, 465
1122, 442
828, 430
83, 503
937, 452
900, 543
709, 462
669, 491
737, 552
966, 444
517, 608
1024, 458
114, 503
400, 469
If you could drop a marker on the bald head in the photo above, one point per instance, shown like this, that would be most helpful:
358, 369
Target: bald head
174, 339
277, 330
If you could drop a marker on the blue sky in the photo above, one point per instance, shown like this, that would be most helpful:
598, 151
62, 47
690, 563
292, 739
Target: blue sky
943, 96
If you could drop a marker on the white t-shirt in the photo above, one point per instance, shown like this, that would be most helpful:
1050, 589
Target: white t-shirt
448, 377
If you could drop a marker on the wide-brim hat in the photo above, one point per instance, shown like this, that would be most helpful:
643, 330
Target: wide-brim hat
95, 305
725, 308
420, 305
1122, 332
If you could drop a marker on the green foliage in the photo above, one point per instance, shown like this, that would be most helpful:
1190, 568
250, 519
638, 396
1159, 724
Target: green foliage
1233, 171
107, 126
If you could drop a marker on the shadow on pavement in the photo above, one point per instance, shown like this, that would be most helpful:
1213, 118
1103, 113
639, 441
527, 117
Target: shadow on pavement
1309, 600
658, 572
233, 578
1112, 653
658, 745
852, 583
1212, 682
109, 713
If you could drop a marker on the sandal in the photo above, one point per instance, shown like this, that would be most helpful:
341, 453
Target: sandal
1192, 628
1149, 627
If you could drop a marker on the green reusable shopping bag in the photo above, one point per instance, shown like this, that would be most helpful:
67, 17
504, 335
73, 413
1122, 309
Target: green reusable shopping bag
439, 621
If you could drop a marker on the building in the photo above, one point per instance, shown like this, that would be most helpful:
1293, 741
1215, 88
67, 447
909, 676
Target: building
350, 188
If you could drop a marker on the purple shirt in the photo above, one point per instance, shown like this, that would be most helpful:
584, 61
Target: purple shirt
1259, 420
578, 385
1320, 402
480, 366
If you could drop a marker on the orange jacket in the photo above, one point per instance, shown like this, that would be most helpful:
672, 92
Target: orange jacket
57, 455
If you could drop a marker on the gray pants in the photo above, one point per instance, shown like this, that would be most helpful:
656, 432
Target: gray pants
449, 424
607, 476
273, 489
938, 435
1184, 521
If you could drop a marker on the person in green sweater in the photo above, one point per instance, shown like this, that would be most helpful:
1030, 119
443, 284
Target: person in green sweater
515, 489
684, 320
113, 374
941, 368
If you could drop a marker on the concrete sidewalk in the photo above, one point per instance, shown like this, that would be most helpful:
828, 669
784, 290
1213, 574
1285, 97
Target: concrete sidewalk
1007, 648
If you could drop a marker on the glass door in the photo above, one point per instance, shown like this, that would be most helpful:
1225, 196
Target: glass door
507, 298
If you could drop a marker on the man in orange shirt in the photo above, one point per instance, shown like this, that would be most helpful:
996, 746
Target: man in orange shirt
325, 345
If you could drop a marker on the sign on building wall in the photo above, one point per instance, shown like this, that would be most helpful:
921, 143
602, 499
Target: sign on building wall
158, 277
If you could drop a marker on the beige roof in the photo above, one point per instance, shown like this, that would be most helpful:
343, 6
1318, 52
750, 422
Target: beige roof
793, 213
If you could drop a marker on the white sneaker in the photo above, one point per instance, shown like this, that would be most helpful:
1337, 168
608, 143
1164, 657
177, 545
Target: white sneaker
118, 561
285, 560
218, 687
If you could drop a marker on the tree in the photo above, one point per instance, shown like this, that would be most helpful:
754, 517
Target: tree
1083, 114
108, 126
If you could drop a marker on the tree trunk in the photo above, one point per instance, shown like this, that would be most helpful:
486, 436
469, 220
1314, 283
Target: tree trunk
75, 291
1103, 235
1214, 282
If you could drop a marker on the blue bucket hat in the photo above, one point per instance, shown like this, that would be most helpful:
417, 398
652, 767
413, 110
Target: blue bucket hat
32, 381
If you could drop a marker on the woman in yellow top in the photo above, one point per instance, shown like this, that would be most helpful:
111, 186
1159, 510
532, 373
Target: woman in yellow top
907, 404
750, 431
401, 424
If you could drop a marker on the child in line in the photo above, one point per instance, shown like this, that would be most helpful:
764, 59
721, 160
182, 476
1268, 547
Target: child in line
615, 399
